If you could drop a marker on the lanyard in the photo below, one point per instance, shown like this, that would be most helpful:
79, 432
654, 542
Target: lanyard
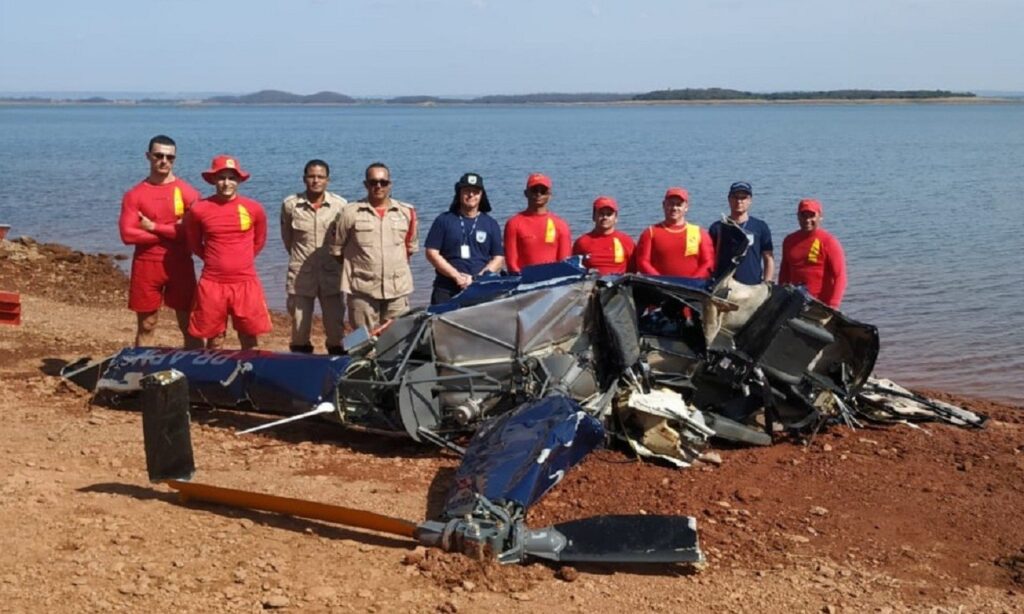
462, 227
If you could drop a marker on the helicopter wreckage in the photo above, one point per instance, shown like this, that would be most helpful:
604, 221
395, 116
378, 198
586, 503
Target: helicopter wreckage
541, 368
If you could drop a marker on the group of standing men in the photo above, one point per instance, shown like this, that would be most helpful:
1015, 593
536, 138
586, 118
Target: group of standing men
167, 222
361, 250
358, 250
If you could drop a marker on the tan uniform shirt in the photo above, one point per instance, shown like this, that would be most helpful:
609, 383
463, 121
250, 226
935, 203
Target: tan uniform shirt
375, 250
307, 233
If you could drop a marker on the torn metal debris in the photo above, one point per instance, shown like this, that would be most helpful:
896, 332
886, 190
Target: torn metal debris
883, 400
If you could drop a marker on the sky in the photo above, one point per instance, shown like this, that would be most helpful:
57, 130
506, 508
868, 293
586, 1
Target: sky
368, 48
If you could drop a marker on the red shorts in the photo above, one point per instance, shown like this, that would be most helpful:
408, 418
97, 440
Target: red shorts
170, 281
215, 301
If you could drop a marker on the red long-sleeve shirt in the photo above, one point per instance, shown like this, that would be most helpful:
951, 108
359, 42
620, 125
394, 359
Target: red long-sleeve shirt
227, 236
165, 205
535, 238
815, 259
608, 253
677, 251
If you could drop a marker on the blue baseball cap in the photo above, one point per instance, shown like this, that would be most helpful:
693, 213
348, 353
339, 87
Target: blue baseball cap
741, 186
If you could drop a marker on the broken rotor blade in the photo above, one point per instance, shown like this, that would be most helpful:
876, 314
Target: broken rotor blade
294, 507
618, 539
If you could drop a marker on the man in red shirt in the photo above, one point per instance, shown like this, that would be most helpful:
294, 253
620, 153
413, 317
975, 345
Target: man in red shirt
813, 257
604, 248
162, 271
227, 231
675, 247
535, 235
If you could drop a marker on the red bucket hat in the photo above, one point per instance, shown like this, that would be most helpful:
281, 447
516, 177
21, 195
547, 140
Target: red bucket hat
809, 204
220, 163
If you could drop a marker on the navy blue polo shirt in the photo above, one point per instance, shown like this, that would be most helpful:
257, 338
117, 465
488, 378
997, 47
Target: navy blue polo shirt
450, 231
751, 269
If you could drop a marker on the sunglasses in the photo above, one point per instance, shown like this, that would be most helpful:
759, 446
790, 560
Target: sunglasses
163, 156
538, 189
379, 183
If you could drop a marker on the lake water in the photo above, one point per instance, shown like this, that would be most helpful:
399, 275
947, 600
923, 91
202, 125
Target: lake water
924, 198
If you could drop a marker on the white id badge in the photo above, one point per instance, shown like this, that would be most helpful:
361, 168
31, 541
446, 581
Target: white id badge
464, 251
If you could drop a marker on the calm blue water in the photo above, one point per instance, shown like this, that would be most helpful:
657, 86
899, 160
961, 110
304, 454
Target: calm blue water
923, 197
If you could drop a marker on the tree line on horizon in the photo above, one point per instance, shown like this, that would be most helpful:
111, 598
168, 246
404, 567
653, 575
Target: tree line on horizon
715, 93
668, 95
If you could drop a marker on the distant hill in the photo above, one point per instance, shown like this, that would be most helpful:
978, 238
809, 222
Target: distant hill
279, 97
421, 100
27, 99
716, 93
44, 100
553, 97
328, 98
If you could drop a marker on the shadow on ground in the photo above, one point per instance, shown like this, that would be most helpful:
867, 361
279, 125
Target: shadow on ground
52, 366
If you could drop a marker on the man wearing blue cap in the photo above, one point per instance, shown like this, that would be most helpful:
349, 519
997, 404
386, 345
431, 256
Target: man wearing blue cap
758, 264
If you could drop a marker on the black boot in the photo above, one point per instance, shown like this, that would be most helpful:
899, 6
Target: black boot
301, 349
335, 350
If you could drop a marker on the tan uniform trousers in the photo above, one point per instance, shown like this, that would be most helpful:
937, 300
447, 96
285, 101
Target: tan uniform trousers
300, 308
371, 312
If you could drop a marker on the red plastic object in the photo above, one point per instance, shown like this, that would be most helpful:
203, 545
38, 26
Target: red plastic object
10, 308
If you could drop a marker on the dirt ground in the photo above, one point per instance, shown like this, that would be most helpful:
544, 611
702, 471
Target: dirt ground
872, 520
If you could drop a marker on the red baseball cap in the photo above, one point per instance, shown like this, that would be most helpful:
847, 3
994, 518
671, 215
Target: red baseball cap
679, 192
222, 162
809, 204
538, 179
605, 202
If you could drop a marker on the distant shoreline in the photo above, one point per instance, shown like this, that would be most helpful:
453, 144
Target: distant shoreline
683, 96
617, 103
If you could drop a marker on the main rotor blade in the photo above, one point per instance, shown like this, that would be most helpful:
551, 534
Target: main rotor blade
293, 507
619, 539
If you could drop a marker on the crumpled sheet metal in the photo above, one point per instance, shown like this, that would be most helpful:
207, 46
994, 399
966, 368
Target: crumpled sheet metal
519, 456
659, 424
520, 324
897, 402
